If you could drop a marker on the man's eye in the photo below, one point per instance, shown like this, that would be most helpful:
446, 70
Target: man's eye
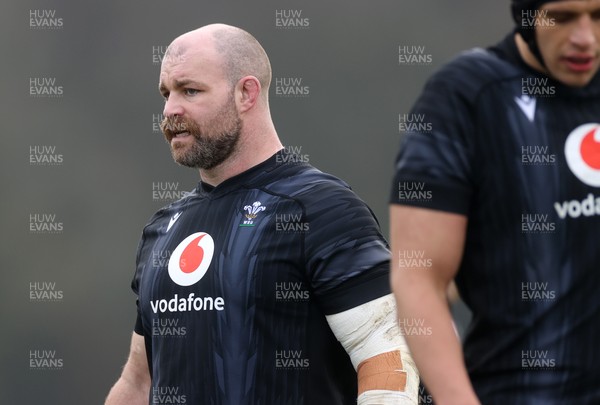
191, 92
561, 17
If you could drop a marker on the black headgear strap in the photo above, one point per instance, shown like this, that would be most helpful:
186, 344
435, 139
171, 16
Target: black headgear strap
524, 12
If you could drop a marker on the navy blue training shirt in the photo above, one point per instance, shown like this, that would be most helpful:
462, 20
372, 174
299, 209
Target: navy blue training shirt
234, 282
518, 153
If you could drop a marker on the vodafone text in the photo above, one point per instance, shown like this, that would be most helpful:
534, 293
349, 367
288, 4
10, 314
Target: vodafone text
189, 304
588, 207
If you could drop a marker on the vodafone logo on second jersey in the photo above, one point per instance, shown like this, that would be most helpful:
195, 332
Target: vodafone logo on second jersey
191, 258
582, 151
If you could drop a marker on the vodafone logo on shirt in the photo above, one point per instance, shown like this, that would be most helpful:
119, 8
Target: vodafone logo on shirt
190, 260
188, 263
582, 151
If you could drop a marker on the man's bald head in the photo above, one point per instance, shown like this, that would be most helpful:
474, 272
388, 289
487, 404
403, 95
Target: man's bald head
241, 54
215, 83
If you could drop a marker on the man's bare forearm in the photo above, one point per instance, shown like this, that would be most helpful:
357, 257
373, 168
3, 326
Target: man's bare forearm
133, 387
437, 353
126, 392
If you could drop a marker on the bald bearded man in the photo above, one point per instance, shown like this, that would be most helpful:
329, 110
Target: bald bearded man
276, 287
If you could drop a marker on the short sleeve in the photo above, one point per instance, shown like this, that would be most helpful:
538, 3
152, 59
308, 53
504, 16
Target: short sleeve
135, 284
434, 166
139, 326
347, 257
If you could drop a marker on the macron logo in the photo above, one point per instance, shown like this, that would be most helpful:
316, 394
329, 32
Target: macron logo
173, 220
527, 105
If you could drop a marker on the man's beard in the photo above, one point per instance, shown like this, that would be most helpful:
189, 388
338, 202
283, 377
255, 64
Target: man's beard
214, 142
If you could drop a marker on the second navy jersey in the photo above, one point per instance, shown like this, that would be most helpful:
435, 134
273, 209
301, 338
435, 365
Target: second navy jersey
518, 153
234, 283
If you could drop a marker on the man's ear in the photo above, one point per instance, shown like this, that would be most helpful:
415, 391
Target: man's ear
248, 92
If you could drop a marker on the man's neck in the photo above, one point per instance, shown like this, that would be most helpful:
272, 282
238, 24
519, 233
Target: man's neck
527, 56
247, 154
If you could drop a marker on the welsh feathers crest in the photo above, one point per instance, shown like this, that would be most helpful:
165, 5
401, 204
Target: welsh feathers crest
252, 212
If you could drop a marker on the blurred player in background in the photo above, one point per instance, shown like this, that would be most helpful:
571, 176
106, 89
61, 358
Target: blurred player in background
503, 195
276, 287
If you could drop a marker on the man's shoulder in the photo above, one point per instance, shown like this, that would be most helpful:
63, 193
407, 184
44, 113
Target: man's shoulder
172, 208
473, 70
483, 61
305, 182
316, 192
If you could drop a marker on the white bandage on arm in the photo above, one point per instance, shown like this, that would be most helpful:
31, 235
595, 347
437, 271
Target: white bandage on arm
371, 337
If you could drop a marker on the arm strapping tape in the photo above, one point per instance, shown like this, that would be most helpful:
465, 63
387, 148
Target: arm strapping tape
371, 337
